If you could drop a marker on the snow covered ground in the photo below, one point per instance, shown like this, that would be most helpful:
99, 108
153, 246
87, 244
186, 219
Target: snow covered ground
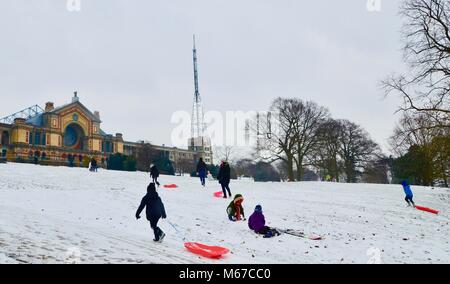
69, 215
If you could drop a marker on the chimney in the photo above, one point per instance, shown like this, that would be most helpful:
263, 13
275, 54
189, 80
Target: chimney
97, 114
75, 97
19, 120
49, 106
119, 135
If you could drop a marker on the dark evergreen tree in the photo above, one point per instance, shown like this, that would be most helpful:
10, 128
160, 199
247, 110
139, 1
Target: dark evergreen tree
164, 164
115, 162
265, 172
129, 164
415, 166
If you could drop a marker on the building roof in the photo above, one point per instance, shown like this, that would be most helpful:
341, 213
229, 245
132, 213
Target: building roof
76, 103
161, 148
103, 133
36, 120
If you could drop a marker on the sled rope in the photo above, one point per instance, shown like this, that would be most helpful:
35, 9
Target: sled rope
177, 231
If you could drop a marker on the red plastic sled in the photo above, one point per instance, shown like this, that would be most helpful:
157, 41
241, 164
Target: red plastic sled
205, 250
426, 209
170, 186
218, 194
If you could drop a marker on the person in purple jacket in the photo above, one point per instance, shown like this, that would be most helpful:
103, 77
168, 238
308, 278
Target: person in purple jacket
257, 223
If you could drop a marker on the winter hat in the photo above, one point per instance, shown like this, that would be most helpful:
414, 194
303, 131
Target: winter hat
258, 208
238, 198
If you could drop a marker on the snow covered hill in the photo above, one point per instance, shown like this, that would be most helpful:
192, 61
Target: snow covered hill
64, 215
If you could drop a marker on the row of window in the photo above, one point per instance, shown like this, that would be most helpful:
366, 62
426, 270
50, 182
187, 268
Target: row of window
36, 138
107, 146
200, 148
40, 138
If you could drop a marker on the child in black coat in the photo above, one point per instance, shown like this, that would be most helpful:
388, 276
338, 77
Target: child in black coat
154, 211
154, 173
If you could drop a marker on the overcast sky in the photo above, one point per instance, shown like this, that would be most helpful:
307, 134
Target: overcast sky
132, 59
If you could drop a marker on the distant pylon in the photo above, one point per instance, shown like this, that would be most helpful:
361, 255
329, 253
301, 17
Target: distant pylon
197, 123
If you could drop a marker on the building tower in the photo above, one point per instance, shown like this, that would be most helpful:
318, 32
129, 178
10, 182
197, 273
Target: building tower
198, 141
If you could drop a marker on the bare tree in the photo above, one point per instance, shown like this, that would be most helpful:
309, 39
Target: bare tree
426, 88
223, 153
310, 117
278, 143
326, 152
356, 149
282, 170
376, 172
413, 129
184, 165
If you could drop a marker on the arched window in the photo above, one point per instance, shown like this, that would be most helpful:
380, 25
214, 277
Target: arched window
73, 136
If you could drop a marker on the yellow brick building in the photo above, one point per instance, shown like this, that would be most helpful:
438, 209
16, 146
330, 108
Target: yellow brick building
69, 133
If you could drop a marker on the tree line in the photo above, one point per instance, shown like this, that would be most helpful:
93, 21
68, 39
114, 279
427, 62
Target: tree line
421, 140
301, 136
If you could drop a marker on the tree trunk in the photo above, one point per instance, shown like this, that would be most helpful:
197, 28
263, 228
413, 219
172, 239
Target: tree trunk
444, 175
290, 168
335, 170
299, 163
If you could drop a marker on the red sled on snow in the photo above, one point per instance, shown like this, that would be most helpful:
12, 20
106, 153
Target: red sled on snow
218, 194
205, 250
170, 186
426, 209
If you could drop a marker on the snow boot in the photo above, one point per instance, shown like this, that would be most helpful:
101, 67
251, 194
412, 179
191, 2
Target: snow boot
161, 237
269, 234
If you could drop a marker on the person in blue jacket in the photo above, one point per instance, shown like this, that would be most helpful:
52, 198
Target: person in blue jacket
408, 193
202, 171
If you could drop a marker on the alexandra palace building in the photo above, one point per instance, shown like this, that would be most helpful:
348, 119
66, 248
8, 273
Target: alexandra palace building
69, 134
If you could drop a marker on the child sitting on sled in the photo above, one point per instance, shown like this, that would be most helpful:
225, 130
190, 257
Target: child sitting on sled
257, 223
235, 209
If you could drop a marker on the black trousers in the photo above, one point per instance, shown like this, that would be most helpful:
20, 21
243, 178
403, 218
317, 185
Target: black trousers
203, 180
155, 180
156, 230
409, 199
225, 188
264, 230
